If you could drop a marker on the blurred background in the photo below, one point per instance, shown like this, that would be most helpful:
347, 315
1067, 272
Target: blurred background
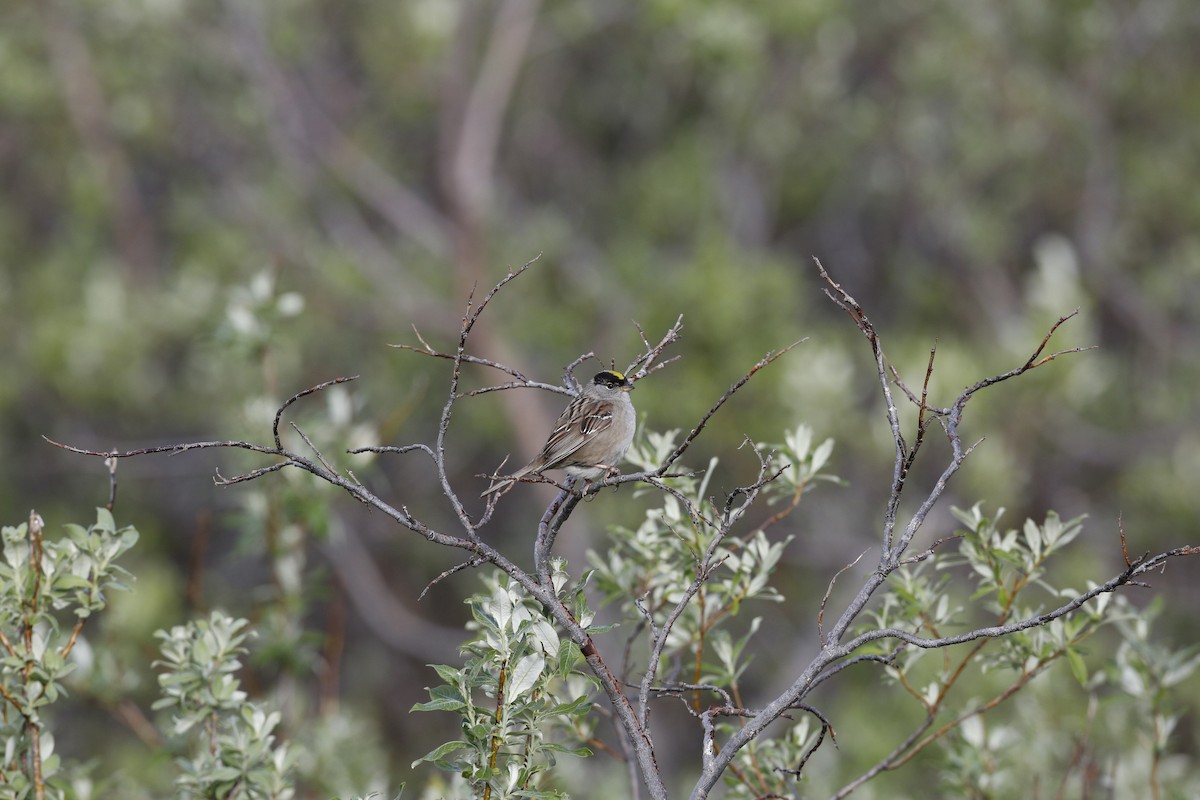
207, 207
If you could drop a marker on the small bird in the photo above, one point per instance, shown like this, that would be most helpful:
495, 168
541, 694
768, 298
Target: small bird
591, 435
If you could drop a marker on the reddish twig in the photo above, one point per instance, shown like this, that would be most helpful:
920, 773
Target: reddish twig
1124, 548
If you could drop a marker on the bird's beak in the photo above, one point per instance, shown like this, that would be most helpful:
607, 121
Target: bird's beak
627, 387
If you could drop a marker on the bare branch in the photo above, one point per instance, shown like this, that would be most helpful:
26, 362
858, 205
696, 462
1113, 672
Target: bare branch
826, 728
679, 688
920, 435
769, 358
408, 448
173, 449
468, 322
1033, 362
829, 591
1139, 567
297, 396
1124, 546
111, 463
644, 364
892, 554
569, 379
848, 304
468, 564
221, 480
921, 401
502, 387
555, 515
927, 553
887, 660
313, 447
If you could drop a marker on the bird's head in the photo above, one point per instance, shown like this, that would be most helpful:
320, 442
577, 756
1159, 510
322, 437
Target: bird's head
613, 381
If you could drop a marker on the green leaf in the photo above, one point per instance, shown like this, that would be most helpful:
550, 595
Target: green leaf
574, 708
105, 521
76, 533
569, 655
129, 537
545, 635
525, 674
1078, 668
446, 703
554, 747
441, 751
68, 582
821, 455
441, 704
450, 675
1033, 535
970, 519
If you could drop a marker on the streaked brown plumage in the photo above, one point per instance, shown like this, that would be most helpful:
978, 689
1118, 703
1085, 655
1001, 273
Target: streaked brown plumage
591, 435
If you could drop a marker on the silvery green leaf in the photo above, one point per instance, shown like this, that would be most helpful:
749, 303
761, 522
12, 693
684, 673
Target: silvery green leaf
525, 674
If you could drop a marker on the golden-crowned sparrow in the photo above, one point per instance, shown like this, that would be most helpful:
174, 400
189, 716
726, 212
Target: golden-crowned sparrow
592, 434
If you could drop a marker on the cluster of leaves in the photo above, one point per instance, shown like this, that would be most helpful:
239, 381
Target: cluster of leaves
1008, 568
525, 696
1121, 745
682, 575
648, 570
235, 753
685, 551
521, 694
42, 584
49, 590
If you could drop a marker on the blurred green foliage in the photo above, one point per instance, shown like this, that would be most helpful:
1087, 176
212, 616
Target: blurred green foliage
207, 207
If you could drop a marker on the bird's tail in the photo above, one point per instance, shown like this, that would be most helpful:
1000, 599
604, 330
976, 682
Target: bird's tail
495, 487
506, 482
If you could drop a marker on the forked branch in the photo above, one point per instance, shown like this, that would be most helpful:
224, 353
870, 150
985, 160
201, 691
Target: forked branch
834, 654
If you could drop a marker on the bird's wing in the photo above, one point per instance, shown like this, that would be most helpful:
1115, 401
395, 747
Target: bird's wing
579, 424
574, 430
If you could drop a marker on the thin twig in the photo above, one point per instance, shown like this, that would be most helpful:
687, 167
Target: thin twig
221, 480
679, 688
408, 448
644, 364
297, 396
503, 387
929, 552
766, 360
892, 553
313, 447
569, 379
468, 564
1124, 547
829, 591
173, 449
826, 728
111, 463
